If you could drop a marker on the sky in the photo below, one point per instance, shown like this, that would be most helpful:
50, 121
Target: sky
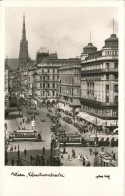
64, 30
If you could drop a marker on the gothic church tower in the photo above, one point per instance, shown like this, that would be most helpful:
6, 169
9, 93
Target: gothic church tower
23, 54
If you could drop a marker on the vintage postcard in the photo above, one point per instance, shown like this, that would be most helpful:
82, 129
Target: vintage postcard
63, 98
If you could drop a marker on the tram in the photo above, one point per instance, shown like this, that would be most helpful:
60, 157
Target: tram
70, 140
24, 135
103, 140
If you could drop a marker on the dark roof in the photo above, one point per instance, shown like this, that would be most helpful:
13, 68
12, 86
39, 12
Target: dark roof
63, 61
112, 38
111, 42
89, 49
13, 63
90, 45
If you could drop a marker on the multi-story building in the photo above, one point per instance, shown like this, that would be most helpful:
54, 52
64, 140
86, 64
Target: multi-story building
6, 79
31, 80
46, 77
99, 84
70, 84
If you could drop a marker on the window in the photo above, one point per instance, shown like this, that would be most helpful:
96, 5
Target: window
48, 85
53, 77
115, 88
116, 66
107, 66
40, 85
107, 98
48, 77
53, 70
116, 99
42, 70
116, 77
43, 93
48, 93
53, 85
44, 77
53, 93
40, 77
107, 77
43, 85
48, 70
107, 87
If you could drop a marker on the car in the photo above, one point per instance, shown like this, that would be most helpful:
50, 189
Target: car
64, 118
68, 120
53, 127
49, 114
42, 120
49, 110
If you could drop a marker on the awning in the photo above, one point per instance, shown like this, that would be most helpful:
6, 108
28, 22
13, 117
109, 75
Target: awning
112, 123
68, 109
91, 119
60, 106
82, 115
101, 122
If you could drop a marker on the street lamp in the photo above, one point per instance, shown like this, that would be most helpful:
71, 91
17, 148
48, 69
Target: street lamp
52, 145
18, 157
96, 138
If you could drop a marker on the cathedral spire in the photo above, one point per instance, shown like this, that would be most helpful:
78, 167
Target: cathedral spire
23, 54
24, 30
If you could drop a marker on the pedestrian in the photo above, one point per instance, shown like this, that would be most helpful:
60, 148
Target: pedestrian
31, 158
90, 150
23, 120
83, 163
11, 150
114, 156
43, 150
12, 162
88, 164
6, 126
20, 123
81, 157
102, 149
61, 155
15, 148
25, 151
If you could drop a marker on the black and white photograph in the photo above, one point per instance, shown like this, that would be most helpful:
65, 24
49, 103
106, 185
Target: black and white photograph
61, 87
62, 98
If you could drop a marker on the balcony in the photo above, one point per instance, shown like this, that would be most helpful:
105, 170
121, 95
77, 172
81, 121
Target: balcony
84, 72
92, 101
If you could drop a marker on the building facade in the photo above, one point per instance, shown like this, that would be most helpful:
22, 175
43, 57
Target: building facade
46, 77
99, 84
69, 85
6, 78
